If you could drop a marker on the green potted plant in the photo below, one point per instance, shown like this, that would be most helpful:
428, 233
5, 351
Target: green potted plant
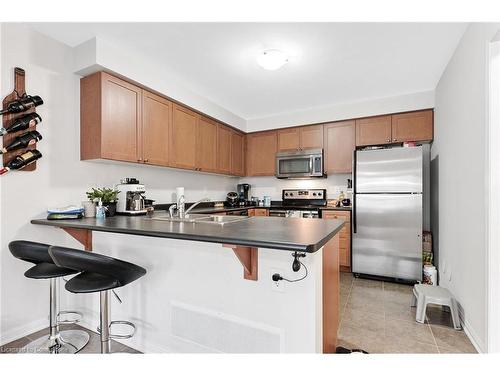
108, 196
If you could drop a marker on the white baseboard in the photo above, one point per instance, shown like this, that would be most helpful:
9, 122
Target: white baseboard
144, 347
24, 330
473, 337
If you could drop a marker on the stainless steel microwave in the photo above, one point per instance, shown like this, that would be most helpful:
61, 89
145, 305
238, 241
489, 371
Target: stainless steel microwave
300, 164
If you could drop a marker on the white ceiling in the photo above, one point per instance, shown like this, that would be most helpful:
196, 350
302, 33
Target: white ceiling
330, 63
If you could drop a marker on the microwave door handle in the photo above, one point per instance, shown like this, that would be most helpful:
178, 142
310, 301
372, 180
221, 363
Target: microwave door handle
311, 164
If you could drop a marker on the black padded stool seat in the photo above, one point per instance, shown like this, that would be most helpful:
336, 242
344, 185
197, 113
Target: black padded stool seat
57, 341
98, 272
38, 253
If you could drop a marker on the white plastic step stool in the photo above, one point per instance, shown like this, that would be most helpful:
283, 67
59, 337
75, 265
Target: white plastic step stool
425, 294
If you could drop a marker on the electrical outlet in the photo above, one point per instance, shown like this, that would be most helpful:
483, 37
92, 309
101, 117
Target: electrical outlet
277, 286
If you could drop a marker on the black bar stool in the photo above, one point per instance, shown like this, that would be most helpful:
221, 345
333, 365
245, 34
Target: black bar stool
99, 273
69, 341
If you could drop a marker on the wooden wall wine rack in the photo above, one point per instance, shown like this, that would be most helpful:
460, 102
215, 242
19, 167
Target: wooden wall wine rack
19, 91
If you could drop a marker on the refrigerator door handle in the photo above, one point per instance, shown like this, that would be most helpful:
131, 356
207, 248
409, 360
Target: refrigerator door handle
354, 228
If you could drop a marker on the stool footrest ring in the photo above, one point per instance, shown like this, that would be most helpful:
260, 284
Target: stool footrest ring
117, 336
77, 319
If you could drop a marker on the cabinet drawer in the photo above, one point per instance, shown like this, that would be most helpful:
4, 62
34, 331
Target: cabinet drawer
258, 212
341, 215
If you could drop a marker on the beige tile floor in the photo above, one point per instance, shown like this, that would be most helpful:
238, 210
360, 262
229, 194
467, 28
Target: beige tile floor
376, 316
93, 347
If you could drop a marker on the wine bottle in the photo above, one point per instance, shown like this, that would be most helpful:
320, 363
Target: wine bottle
22, 160
22, 141
22, 123
22, 104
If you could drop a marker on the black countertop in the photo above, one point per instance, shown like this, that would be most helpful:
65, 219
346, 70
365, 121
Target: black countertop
208, 208
292, 234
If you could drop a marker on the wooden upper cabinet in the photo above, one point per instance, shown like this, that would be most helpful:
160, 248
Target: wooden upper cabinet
206, 145
300, 138
183, 136
237, 154
261, 153
412, 126
224, 141
311, 137
289, 139
156, 122
373, 131
110, 117
339, 138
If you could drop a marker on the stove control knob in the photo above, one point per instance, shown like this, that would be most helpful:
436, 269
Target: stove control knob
286, 194
314, 194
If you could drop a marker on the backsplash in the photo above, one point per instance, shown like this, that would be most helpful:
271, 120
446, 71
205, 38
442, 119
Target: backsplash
272, 186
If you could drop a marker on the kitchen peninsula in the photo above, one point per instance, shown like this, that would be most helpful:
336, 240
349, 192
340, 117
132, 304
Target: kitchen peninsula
194, 298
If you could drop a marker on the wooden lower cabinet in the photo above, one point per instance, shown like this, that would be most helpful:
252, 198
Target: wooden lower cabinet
258, 212
340, 143
344, 236
261, 153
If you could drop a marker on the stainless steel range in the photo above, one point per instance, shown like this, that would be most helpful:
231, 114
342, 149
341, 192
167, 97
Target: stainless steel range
303, 203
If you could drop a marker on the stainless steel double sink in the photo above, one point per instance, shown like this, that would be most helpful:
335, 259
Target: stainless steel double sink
203, 219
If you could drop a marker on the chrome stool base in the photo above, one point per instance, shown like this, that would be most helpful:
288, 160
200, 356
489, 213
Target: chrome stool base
65, 342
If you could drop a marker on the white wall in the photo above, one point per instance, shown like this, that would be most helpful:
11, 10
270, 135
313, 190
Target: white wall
344, 111
459, 159
271, 186
60, 178
208, 279
99, 54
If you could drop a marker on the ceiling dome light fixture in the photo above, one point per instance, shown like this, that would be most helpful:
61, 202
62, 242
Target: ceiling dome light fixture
272, 59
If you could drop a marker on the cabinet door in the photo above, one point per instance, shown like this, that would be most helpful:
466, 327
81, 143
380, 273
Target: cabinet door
413, 126
344, 236
237, 154
261, 153
224, 140
183, 138
121, 116
156, 121
339, 146
206, 149
311, 137
373, 131
289, 139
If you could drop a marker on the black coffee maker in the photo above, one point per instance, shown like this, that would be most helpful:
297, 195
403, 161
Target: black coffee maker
243, 190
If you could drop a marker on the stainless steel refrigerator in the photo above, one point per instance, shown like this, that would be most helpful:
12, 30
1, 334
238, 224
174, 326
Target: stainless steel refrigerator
387, 212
